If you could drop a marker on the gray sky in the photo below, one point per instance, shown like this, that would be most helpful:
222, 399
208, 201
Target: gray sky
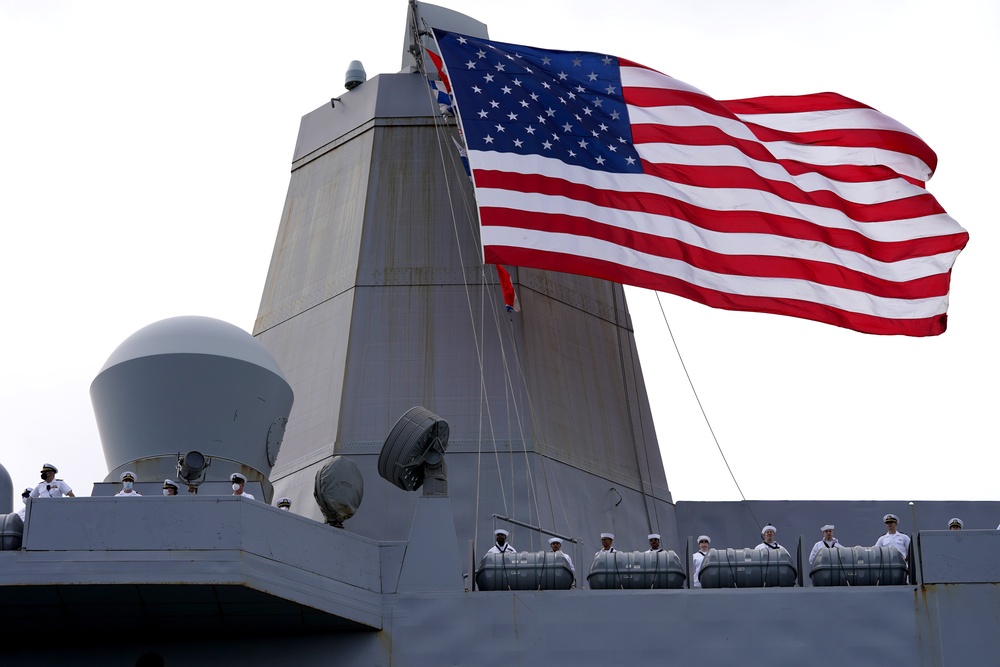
144, 158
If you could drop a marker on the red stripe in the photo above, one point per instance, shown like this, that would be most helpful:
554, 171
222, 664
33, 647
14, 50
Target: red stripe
724, 221
792, 103
823, 273
930, 326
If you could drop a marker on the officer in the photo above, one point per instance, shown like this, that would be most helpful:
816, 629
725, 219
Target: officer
828, 542
555, 544
704, 542
654, 543
892, 538
24, 503
607, 539
956, 524
170, 487
127, 479
285, 504
238, 481
501, 546
50, 486
769, 532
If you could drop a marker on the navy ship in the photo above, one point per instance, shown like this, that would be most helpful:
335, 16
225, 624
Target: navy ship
406, 416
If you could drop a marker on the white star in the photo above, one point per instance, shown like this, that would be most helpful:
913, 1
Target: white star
577, 116
571, 95
462, 40
555, 137
518, 142
581, 89
488, 78
541, 119
597, 102
572, 154
612, 148
545, 85
587, 110
600, 160
621, 140
546, 60
607, 60
494, 104
534, 96
567, 127
482, 113
529, 70
611, 90
471, 64
506, 90
481, 53
546, 145
615, 115
500, 128
576, 62
630, 159
488, 139
604, 128
551, 112
594, 132
524, 104
561, 100
500, 67
530, 129
512, 116
583, 143
510, 57
592, 76
477, 89
563, 76
517, 82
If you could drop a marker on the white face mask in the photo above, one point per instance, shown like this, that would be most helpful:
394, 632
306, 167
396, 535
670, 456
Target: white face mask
285, 508
128, 486
166, 492
236, 487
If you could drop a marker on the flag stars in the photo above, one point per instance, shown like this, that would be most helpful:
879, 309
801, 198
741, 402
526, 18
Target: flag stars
607, 60
563, 76
517, 82
577, 62
462, 40
500, 128
488, 78
512, 116
610, 90
494, 104
550, 112
500, 67
599, 160
546, 60
583, 143
592, 76
471, 64
630, 160
567, 128
615, 115
546, 145
483, 113
488, 139
530, 129
524, 104
506, 90
481, 54
604, 128
518, 143
572, 153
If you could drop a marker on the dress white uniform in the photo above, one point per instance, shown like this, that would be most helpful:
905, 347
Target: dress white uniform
765, 545
822, 544
246, 495
54, 489
569, 561
698, 559
128, 494
20, 513
505, 549
899, 540
612, 550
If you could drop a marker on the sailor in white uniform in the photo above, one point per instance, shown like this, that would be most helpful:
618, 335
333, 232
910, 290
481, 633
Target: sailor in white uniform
50, 486
892, 538
24, 503
704, 542
285, 504
500, 546
607, 539
956, 524
169, 487
828, 542
654, 543
556, 545
128, 482
238, 481
768, 532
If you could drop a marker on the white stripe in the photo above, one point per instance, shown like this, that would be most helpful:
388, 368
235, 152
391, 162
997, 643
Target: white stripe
685, 116
778, 288
717, 199
725, 243
833, 119
875, 192
640, 77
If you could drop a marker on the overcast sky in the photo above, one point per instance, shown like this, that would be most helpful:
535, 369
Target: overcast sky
144, 159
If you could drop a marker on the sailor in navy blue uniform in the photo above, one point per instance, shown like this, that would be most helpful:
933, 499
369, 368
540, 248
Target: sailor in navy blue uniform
128, 482
892, 538
768, 532
828, 542
50, 486
501, 546
607, 539
704, 542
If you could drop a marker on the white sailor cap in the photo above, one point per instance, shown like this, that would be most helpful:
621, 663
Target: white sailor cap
767, 528
128, 474
237, 477
828, 526
704, 538
890, 517
609, 536
955, 521
501, 531
48, 466
26, 493
282, 502
653, 536
169, 483
555, 540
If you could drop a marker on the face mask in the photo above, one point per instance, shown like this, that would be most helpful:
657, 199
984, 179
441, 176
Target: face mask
128, 486
285, 508
166, 492
236, 487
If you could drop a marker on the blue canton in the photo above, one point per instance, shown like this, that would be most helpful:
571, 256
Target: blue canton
557, 104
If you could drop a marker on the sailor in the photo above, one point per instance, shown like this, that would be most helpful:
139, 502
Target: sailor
24, 503
501, 546
238, 481
893, 539
170, 487
956, 524
654, 543
127, 479
828, 542
768, 532
50, 486
555, 544
606, 540
285, 504
704, 542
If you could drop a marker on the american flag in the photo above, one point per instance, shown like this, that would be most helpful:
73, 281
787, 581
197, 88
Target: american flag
810, 206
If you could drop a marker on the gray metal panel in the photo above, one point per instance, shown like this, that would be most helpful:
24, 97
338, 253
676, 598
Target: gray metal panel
959, 556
